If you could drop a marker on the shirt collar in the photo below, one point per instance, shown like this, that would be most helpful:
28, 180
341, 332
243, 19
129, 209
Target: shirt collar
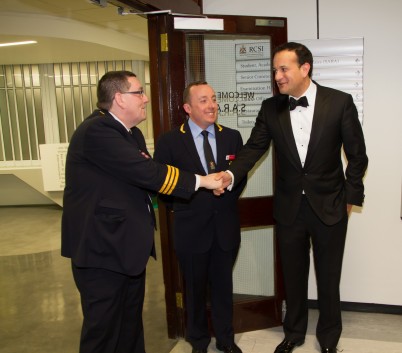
116, 118
196, 130
310, 92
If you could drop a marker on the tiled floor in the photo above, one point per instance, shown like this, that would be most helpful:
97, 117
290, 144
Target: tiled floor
39, 304
362, 333
40, 310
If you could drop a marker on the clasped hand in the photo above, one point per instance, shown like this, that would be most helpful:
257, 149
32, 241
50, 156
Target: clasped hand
217, 182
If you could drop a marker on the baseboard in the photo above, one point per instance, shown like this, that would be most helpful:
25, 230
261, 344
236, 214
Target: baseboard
364, 307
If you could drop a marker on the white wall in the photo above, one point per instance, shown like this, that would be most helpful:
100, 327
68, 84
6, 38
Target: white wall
372, 271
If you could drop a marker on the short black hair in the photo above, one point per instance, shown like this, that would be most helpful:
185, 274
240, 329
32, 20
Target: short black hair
302, 52
111, 83
186, 93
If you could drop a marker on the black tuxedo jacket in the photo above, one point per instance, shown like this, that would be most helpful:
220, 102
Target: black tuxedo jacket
197, 220
327, 186
106, 220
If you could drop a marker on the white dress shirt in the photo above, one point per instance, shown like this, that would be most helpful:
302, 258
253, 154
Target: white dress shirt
302, 121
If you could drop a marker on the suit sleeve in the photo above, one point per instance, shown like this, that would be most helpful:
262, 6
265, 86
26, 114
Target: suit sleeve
240, 184
257, 144
162, 155
355, 151
106, 148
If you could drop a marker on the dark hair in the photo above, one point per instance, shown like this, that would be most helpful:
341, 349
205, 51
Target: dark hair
186, 93
111, 83
302, 52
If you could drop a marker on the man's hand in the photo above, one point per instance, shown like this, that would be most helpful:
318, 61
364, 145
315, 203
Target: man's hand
144, 154
226, 181
349, 208
211, 181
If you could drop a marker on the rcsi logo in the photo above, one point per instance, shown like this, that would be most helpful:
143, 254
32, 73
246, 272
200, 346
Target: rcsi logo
256, 49
252, 51
242, 50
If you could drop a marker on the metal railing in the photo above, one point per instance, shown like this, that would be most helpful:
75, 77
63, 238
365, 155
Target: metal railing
44, 103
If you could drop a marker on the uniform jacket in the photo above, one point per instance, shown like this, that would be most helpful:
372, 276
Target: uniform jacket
197, 219
327, 187
106, 220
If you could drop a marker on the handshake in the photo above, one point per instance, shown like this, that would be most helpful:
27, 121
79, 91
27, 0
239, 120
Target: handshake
217, 182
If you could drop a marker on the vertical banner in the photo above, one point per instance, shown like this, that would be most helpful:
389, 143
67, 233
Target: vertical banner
338, 63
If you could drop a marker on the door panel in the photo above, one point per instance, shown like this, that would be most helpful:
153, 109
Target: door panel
236, 62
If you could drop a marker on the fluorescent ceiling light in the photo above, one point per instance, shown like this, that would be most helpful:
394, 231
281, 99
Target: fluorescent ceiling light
18, 43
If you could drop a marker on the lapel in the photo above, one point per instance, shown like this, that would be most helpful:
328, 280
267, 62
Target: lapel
220, 151
116, 124
139, 139
135, 138
286, 125
320, 115
188, 141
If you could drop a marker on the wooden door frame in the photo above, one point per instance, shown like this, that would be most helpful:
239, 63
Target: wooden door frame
168, 113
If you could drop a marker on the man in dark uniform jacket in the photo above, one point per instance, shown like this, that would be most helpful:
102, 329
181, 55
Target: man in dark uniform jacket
108, 221
309, 125
206, 227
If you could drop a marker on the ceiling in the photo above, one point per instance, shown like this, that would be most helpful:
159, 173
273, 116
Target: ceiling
68, 31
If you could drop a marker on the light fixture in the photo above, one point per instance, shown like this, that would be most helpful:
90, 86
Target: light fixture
121, 11
18, 43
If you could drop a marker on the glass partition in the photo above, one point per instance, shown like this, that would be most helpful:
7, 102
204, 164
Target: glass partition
238, 67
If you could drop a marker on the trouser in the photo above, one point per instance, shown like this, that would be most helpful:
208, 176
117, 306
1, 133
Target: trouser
112, 308
328, 244
211, 270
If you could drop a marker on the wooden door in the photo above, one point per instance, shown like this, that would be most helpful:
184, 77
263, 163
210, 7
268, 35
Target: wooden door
236, 62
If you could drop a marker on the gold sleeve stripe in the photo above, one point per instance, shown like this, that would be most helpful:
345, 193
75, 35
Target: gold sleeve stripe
172, 176
162, 190
174, 179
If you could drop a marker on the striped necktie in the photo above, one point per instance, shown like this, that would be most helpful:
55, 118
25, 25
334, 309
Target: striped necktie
209, 157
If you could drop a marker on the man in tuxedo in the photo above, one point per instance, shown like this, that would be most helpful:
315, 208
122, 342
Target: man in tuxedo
308, 124
108, 220
206, 227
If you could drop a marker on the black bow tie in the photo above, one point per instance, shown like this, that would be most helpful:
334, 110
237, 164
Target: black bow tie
293, 103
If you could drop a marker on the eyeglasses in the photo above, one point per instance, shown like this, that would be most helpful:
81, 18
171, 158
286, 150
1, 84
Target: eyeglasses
140, 93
